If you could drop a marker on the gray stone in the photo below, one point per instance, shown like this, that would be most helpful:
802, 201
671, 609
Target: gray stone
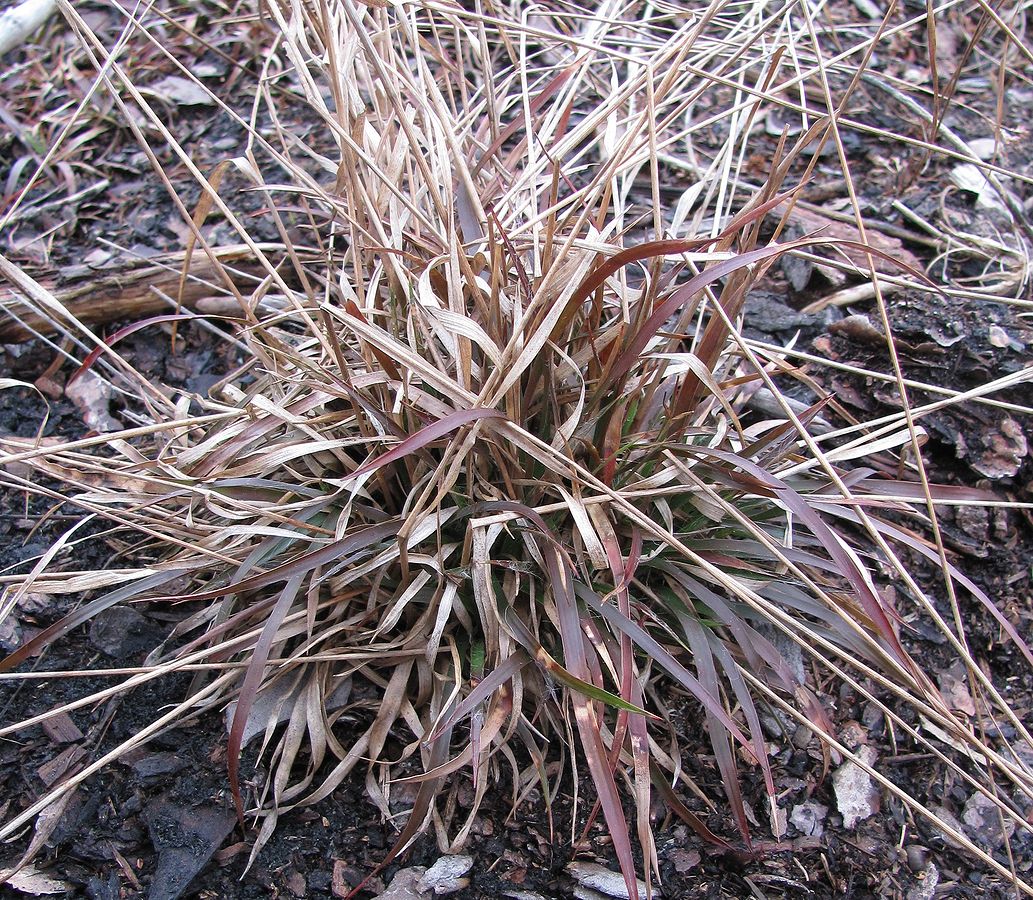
949, 819
405, 886
809, 818
982, 822
926, 883
185, 838
122, 631
857, 796
446, 875
593, 877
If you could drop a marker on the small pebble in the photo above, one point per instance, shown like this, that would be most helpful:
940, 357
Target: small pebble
446, 876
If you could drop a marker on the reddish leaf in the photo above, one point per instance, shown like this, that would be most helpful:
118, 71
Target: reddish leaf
483, 690
845, 563
127, 330
252, 681
445, 425
648, 644
585, 714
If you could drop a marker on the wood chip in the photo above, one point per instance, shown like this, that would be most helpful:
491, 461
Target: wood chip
61, 729
65, 763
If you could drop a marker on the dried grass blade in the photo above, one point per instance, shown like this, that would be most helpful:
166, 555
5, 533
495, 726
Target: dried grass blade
357, 540
847, 565
84, 614
252, 681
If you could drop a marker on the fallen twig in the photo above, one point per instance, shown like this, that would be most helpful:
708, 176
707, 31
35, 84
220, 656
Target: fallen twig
19, 22
139, 288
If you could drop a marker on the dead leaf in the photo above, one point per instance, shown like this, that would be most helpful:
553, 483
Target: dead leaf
1000, 338
1004, 453
102, 480
32, 881
341, 885
186, 837
954, 688
296, 883
180, 91
92, 396
684, 860
858, 328
842, 231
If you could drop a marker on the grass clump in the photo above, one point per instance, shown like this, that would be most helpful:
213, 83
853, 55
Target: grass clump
492, 450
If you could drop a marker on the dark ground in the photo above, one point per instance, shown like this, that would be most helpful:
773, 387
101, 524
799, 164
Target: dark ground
118, 835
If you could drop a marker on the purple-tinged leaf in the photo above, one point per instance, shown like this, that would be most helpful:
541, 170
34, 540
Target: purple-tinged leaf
123, 332
588, 724
436, 430
252, 681
649, 645
847, 565
483, 690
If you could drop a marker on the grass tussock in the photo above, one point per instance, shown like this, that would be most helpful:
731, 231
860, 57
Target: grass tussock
492, 450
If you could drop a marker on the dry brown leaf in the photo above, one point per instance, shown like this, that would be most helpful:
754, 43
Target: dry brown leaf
812, 221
